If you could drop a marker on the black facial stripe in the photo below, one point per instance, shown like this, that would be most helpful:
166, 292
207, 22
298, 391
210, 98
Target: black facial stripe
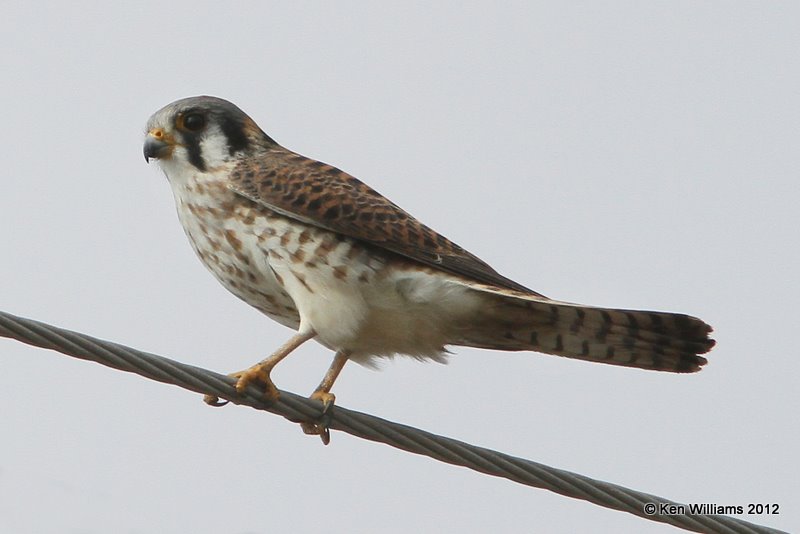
192, 143
234, 133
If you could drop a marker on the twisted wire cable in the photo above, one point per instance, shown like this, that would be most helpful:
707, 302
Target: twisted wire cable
296, 408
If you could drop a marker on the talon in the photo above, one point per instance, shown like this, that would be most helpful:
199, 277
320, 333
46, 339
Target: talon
213, 400
320, 427
314, 429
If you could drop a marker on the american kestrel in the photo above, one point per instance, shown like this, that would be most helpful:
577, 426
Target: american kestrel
319, 251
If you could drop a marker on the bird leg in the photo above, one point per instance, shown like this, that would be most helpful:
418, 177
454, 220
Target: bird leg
260, 372
323, 394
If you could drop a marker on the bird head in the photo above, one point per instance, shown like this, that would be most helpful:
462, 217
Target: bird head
200, 133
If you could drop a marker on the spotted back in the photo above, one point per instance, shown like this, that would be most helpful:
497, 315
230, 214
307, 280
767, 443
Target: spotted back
324, 196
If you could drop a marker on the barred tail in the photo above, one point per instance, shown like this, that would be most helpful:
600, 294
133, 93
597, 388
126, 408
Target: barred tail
657, 341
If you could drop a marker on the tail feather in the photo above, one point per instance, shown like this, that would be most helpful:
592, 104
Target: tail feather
652, 340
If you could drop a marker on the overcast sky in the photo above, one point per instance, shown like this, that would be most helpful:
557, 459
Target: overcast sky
627, 154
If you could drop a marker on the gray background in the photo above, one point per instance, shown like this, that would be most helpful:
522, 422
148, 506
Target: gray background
624, 154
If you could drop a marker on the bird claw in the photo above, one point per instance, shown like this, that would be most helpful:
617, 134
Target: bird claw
258, 374
213, 400
320, 427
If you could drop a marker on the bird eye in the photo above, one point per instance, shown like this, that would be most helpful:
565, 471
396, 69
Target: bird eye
194, 122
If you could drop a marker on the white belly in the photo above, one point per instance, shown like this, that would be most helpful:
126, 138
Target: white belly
356, 298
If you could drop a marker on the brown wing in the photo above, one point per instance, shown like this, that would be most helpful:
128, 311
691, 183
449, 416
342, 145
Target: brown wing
322, 195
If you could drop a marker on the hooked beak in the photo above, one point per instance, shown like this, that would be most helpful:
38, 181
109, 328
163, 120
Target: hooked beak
156, 145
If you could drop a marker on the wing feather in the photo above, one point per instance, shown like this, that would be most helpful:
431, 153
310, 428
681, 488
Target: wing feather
322, 195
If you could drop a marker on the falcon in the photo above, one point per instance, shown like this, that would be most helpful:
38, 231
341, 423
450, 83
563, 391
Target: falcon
324, 254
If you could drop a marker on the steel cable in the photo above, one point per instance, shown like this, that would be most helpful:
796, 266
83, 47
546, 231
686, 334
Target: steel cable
296, 408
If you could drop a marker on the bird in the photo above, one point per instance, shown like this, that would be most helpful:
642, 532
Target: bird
324, 254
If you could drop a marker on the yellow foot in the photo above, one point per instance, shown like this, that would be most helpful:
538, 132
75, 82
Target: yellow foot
257, 374
320, 428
